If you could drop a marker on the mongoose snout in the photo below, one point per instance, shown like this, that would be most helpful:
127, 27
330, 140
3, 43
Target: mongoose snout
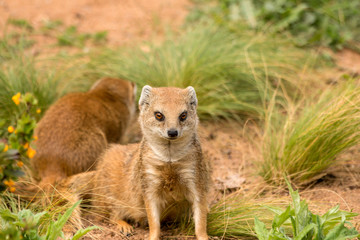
172, 133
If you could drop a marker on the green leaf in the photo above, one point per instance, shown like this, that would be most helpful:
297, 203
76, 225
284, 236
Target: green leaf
260, 230
295, 197
55, 228
82, 232
280, 219
305, 231
8, 216
293, 224
340, 232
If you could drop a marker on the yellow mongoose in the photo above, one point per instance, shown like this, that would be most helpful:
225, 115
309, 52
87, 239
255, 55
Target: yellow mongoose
142, 181
78, 127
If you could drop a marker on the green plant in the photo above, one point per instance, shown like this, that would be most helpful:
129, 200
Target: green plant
302, 149
51, 24
21, 23
71, 37
26, 225
18, 136
305, 225
328, 23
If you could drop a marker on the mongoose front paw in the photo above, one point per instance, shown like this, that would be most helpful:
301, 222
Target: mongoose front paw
152, 236
124, 227
202, 237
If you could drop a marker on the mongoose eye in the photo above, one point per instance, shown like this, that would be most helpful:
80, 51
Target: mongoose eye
183, 116
159, 116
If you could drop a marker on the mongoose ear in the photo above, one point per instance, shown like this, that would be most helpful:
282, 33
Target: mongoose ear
145, 95
96, 83
192, 96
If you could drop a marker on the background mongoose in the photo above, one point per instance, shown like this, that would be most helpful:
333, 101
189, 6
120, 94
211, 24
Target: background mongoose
142, 181
78, 127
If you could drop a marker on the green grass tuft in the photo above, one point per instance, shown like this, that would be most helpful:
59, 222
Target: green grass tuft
303, 149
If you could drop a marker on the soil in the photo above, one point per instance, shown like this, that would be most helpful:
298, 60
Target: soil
233, 151
126, 20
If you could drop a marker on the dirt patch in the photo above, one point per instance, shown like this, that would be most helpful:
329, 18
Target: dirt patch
126, 21
349, 61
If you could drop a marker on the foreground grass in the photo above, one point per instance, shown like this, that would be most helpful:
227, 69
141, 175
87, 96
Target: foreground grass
20, 222
302, 149
237, 214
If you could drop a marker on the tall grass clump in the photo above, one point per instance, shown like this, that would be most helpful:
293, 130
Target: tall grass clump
46, 79
232, 75
302, 145
22, 76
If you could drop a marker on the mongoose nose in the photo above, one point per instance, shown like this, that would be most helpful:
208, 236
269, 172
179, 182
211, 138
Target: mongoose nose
172, 133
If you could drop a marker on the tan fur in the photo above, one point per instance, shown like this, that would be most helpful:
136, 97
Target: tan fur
142, 181
79, 126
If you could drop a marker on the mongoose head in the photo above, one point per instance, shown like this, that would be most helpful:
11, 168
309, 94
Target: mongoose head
119, 89
168, 113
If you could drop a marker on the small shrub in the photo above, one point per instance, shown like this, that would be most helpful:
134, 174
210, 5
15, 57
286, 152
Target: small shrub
297, 222
21, 23
26, 225
327, 23
71, 37
18, 137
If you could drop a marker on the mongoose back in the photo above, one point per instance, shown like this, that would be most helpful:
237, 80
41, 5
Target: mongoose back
78, 127
142, 181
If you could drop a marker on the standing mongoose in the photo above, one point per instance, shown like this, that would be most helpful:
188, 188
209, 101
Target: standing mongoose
162, 176
79, 126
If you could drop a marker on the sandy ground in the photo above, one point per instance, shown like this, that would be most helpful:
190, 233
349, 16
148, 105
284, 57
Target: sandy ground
233, 153
125, 20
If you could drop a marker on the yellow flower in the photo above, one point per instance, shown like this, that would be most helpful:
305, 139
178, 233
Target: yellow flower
38, 111
6, 148
30, 152
10, 129
26, 145
12, 189
16, 98
20, 163
9, 183
35, 138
